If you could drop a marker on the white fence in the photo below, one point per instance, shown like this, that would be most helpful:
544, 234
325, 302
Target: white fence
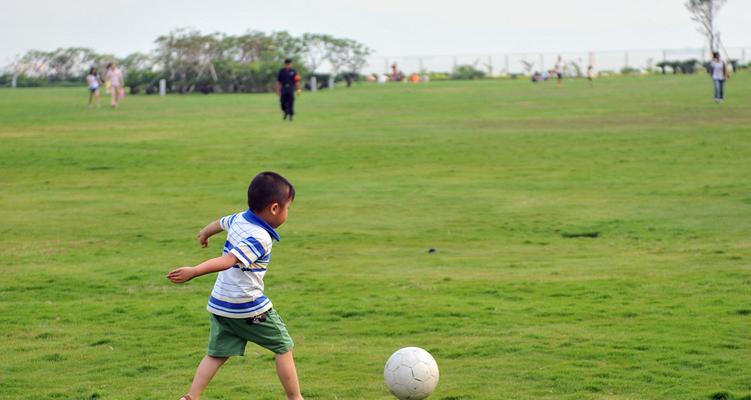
525, 63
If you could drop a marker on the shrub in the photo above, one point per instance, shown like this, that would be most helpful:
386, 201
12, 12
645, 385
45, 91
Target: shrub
439, 76
689, 66
629, 71
467, 72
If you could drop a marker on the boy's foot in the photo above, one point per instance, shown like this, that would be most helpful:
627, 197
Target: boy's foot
186, 397
285, 116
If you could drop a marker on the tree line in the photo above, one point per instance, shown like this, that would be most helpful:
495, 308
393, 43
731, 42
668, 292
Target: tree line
193, 61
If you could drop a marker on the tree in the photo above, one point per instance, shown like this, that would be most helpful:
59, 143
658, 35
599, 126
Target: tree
704, 12
63, 64
355, 56
138, 70
187, 55
288, 46
190, 60
528, 65
316, 47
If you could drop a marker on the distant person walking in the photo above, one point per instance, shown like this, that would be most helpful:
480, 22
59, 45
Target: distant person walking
559, 65
590, 75
719, 70
115, 78
287, 84
93, 81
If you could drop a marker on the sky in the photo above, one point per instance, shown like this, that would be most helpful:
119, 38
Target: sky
390, 27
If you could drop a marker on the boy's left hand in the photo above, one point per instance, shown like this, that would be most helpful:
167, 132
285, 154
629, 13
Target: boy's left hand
181, 275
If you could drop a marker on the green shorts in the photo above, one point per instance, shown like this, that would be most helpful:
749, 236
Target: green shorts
228, 336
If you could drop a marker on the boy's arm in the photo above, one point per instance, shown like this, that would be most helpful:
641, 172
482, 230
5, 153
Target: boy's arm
208, 231
185, 274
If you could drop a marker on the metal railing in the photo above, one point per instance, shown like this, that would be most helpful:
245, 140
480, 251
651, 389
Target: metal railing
526, 63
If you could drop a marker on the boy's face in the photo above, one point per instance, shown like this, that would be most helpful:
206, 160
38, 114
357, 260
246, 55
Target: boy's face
277, 214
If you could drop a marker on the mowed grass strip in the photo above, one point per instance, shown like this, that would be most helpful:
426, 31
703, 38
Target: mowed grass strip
590, 243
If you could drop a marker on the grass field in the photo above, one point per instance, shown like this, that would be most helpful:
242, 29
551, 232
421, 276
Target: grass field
592, 243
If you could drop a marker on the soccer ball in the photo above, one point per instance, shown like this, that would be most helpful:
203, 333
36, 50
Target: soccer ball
411, 373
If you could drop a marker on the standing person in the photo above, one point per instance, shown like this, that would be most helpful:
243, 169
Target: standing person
590, 75
92, 79
239, 310
719, 75
559, 70
287, 84
115, 78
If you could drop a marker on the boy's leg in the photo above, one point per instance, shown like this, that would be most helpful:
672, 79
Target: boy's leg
285, 369
205, 371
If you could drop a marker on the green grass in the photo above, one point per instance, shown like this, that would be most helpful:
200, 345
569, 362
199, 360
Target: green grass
592, 243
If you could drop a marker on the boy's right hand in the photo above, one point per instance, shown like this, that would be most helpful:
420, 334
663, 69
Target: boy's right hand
181, 275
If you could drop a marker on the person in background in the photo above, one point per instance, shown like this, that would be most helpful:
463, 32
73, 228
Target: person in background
719, 70
115, 78
558, 69
287, 84
93, 81
591, 75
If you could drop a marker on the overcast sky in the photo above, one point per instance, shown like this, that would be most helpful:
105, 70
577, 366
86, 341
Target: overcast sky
391, 27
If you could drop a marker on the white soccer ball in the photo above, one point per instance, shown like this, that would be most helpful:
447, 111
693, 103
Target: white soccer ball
411, 373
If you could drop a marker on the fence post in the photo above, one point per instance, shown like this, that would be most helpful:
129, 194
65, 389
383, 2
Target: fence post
13, 82
592, 58
743, 56
626, 59
421, 67
664, 55
490, 65
542, 62
162, 87
505, 64
385, 65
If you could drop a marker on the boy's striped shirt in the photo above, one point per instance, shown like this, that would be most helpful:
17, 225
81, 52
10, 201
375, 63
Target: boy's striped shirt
238, 291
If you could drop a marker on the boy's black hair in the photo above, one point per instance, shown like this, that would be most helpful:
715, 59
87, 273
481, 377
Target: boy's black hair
288, 61
92, 70
268, 188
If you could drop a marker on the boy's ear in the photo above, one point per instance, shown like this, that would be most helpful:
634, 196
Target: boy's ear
274, 208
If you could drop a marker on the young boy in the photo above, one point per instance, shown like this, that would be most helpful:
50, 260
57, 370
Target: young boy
239, 310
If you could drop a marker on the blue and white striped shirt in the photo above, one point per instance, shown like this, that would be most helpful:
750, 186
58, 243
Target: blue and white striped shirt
238, 291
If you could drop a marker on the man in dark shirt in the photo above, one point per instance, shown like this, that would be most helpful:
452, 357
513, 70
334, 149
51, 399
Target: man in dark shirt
287, 83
